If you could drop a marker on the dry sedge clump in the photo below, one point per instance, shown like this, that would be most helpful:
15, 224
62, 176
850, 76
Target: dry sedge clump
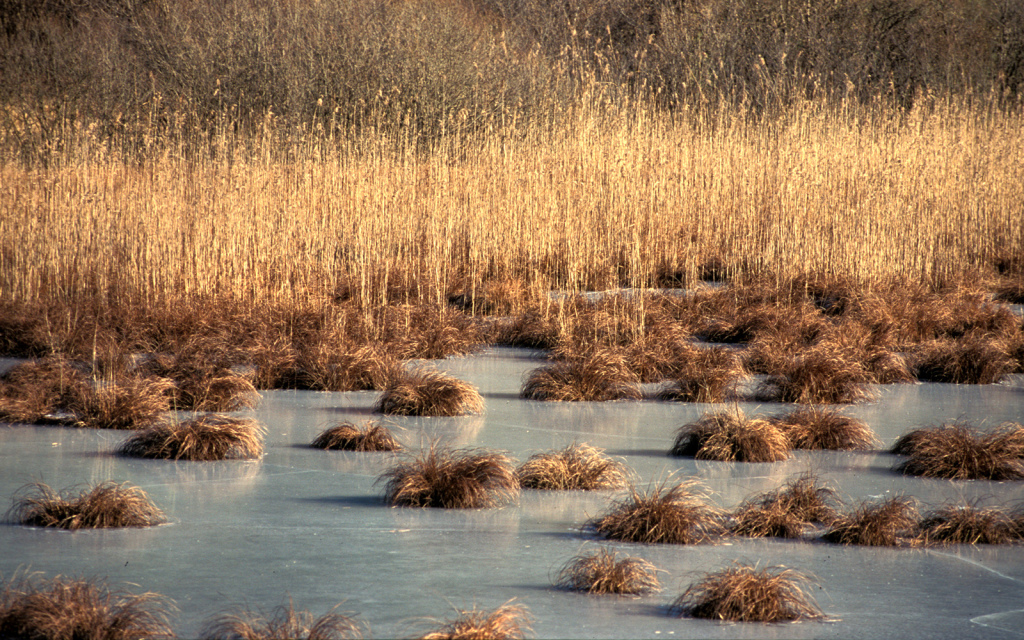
106, 505
507, 622
429, 392
372, 436
285, 623
823, 374
708, 375
365, 368
785, 512
974, 358
205, 391
604, 572
960, 452
745, 594
67, 609
670, 515
731, 436
822, 428
883, 524
205, 437
32, 390
967, 524
579, 467
452, 479
134, 403
599, 376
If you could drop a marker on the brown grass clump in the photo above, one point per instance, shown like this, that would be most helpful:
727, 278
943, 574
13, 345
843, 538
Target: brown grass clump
372, 436
745, 594
507, 622
369, 367
452, 479
785, 512
822, 428
599, 376
1010, 290
883, 524
604, 572
668, 515
709, 375
204, 437
107, 505
428, 392
822, 374
285, 623
967, 524
578, 467
33, 390
68, 609
960, 452
974, 358
132, 403
731, 436
225, 392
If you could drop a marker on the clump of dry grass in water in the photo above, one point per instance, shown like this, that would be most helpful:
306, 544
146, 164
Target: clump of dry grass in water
883, 524
368, 367
786, 512
822, 374
709, 375
219, 392
578, 467
603, 572
731, 436
599, 376
107, 505
959, 451
974, 358
817, 428
743, 593
452, 479
371, 436
66, 608
967, 524
31, 391
671, 515
204, 437
284, 623
132, 403
507, 622
428, 392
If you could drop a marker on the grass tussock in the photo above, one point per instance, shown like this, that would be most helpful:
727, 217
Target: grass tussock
731, 436
599, 376
369, 367
960, 451
883, 524
786, 512
967, 524
452, 479
744, 593
130, 403
284, 623
107, 505
62, 608
679, 514
708, 375
428, 392
507, 622
822, 374
201, 438
604, 572
577, 467
371, 436
33, 390
817, 428
974, 358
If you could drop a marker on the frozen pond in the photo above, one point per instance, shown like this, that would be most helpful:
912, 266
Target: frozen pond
311, 525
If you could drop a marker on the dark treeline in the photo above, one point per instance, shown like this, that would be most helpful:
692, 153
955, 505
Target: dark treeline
139, 67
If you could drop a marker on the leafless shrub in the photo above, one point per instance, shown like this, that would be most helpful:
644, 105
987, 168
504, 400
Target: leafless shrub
604, 572
204, 437
452, 479
107, 505
578, 467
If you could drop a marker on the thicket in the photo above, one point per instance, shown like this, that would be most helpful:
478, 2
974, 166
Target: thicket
140, 73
